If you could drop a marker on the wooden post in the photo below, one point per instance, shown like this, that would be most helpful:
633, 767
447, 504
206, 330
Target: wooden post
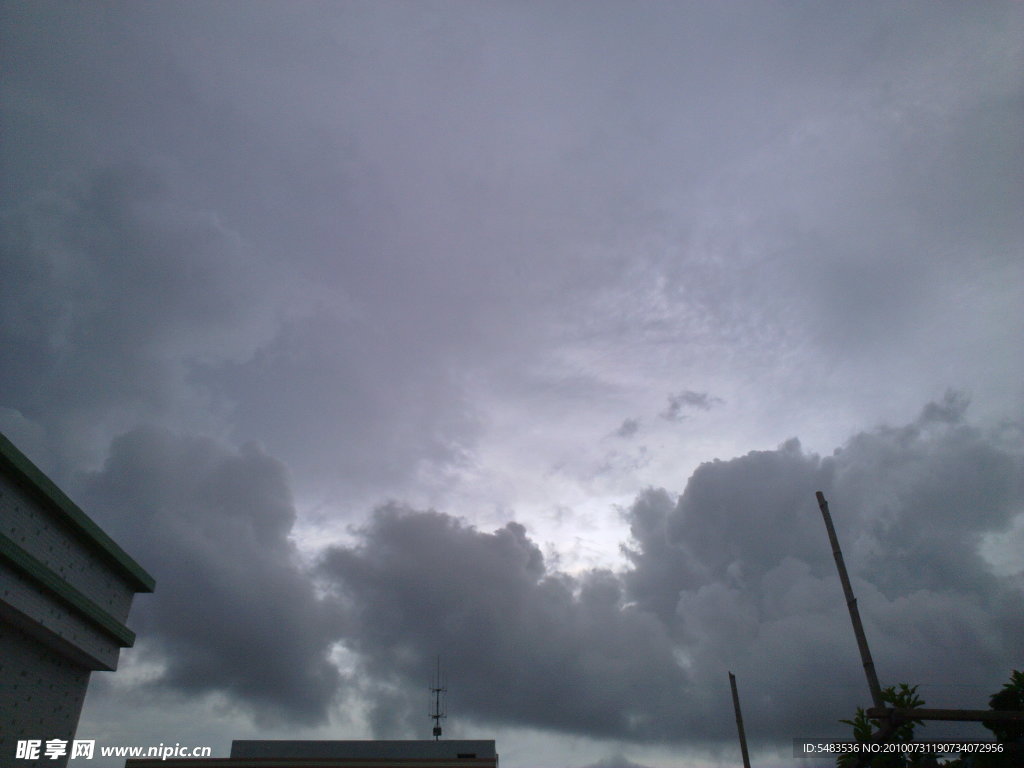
891, 718
961, 715
851, 604
739, 721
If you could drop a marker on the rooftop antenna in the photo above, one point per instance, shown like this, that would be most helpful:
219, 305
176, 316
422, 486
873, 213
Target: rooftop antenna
439, 691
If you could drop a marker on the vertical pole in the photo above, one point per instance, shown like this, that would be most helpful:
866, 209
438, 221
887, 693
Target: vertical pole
739, 721
851, 604
439, 712
437, 708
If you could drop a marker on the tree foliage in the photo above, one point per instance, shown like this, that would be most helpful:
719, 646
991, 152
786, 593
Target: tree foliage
865, 728
1009, 698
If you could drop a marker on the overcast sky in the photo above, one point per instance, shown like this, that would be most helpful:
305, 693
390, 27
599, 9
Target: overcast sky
523, 333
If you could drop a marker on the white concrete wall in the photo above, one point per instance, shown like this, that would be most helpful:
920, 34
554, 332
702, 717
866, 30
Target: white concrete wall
54, 542
65, 593
41, 695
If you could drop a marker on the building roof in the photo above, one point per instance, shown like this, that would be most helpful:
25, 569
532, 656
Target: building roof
367, 749
15, 464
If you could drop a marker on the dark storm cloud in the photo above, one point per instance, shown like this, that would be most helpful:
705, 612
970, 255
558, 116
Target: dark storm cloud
111, 284
688, 399
134, 305
185, 254
744, 559
523, 644
474, 185
233, 613
735, 574
660, 569
329, 227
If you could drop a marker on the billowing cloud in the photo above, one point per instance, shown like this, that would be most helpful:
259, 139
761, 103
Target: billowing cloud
437, 254
523, 644
744, 560
233, 612
734, 574
737, 574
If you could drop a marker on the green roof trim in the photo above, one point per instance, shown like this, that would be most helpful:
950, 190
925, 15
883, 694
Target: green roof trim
29, 475
36, 570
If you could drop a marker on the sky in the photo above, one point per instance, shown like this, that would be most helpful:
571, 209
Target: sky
523, 334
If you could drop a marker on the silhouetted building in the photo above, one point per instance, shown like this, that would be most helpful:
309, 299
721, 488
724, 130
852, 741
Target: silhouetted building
65, 592
457, 753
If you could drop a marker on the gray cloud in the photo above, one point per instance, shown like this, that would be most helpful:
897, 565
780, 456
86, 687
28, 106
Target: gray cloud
524, 644
744, 559
688, 400
513, 178
735, 574
407, 248
617, 760
628, 428
388, 411
116, 286
135, 305
659, 568
233, 612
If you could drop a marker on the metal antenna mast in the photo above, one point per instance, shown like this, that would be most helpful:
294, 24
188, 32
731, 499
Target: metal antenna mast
440, 691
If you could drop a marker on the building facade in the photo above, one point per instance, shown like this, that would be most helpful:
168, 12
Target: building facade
65, 592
